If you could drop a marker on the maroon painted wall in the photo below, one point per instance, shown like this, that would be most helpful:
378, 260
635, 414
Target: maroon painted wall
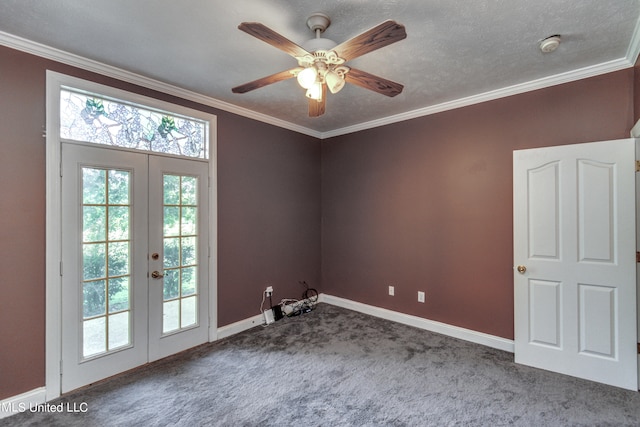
22, 225
426, 204
268, 214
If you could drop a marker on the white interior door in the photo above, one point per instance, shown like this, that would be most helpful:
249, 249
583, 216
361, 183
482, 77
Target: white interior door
574, 252
126, 215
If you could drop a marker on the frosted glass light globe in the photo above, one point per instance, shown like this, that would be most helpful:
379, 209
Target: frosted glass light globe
307, 77
334, 81
315, 91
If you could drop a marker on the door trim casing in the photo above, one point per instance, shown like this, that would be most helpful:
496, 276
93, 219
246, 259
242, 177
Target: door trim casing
53, 188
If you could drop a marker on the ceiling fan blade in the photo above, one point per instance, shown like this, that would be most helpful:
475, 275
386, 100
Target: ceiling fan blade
276, 40
317, 108
274, 78
379, 36
374, 83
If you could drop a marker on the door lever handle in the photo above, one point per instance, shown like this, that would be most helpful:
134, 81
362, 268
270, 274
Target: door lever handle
157, 275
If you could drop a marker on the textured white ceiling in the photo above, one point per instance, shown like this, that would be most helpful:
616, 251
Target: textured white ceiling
454, 50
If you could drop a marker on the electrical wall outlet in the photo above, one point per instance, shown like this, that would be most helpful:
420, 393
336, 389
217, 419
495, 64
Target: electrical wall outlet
269, 290
420, 296
392, 290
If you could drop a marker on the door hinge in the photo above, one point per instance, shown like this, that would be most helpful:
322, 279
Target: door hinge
637, 165
638, 257
639, 348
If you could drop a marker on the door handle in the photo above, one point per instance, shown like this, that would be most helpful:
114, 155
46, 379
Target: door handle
521, 269
157, 275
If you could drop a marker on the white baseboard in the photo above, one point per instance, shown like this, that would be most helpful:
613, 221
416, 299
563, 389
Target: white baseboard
240, 326
22, 402
419, 322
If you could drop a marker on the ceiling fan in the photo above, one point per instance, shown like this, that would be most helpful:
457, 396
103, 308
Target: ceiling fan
321, 61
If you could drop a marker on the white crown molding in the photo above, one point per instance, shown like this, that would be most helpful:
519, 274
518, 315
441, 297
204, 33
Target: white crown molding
571, 76
634, 45
61, 56
77, 61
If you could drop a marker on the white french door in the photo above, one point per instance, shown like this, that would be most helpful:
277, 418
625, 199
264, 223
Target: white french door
135, 260
575, 264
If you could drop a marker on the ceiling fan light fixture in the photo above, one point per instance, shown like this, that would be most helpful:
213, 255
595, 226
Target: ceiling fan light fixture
319, 64
315, 91
335, 81
307, 77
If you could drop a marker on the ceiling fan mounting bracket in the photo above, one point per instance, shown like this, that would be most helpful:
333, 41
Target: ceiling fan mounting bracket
328, 57
318, 21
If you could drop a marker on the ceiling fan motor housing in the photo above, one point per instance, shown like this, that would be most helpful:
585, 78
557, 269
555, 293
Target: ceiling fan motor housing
318, 44
318, 21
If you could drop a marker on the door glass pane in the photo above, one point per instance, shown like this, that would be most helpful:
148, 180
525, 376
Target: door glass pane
106, 250
118, 259
171, 190
118, 187
171, 221
118, 222
171, 284
171, 252
188, 221
188, 255
118, 329
119, 295
94, 296
171, 316
188, 193
188, 311
95, 218
94, 260
180, 296
188, 281
94, 335
93, 186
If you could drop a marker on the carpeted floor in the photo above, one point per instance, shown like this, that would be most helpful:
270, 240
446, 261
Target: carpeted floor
335, 367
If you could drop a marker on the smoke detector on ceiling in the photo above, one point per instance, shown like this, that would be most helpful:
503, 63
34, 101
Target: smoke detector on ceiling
550, 44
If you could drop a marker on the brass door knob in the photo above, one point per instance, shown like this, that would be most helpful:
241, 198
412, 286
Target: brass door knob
521, 269
157, 275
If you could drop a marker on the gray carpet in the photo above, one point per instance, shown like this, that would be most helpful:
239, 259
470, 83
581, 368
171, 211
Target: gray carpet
335, 367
